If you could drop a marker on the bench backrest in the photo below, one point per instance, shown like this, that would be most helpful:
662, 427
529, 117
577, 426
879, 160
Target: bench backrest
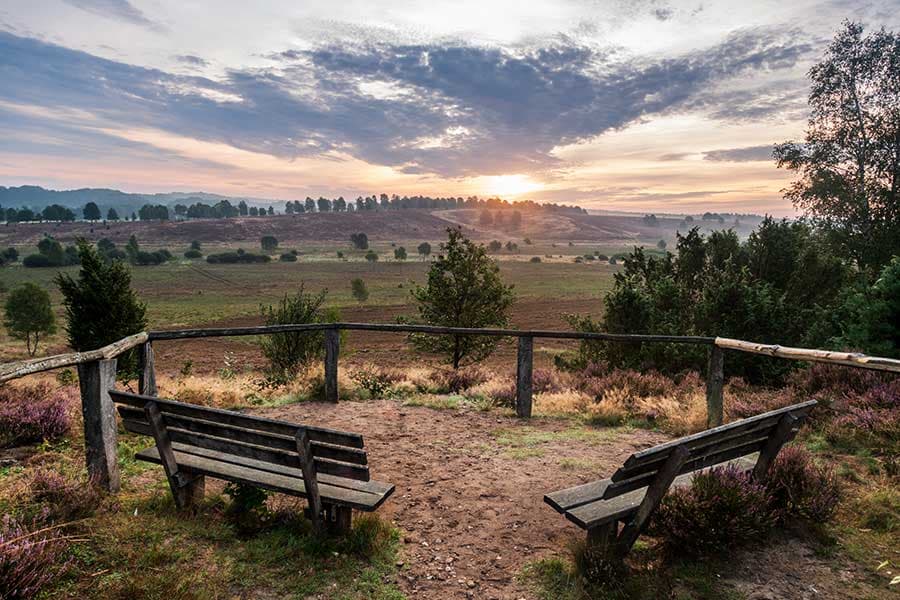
233, 434
707, 448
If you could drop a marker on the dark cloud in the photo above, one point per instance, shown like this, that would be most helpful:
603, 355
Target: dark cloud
452, 110
190, 59
116, 9
746, 154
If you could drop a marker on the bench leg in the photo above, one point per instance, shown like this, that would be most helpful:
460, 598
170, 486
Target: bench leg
189, 493
338, 519
602, 538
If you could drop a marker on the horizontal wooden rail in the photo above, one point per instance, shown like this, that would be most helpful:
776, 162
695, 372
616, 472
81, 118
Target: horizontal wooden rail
18, 369
176, 334
851, 359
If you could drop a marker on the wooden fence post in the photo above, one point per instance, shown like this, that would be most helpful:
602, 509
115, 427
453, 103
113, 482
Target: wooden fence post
95, 380
715, 380
147, 371
524, 370
332, 349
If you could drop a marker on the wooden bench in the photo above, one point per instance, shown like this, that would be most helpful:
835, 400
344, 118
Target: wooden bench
634, 491
327, 467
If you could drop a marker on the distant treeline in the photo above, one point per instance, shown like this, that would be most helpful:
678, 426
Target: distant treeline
225, 209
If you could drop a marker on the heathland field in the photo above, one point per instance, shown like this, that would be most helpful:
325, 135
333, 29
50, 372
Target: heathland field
184, 293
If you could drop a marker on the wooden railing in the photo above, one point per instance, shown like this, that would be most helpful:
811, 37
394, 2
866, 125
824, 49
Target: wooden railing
97, 369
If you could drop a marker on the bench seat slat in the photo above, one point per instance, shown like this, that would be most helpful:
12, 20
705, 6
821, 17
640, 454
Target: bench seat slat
316, 434
226, 446
255, 437
288, 483
593, 514
270, 455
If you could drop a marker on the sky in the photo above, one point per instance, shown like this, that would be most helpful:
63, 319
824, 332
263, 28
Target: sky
644, 105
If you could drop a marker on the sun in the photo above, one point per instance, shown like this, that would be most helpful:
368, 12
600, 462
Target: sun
507, 186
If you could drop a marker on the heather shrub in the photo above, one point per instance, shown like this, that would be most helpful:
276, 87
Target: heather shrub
833, 382
458, 380
868, 420
31, 556
32, 414
500, 391
60, 498
722, 508
375, 380
800, 488
546, 380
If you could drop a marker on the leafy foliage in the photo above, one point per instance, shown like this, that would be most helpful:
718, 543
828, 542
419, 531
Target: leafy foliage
269, 243
29, 315
849, 174
101, 307
464, 289
777, 286
288, 353
359, 290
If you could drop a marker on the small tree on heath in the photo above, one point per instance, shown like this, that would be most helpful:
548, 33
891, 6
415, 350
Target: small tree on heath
29, 315
464, 289
101, 307
359, 289
424, 249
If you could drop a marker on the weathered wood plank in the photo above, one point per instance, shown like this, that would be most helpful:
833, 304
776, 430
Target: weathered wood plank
799, 410
621, 507
308, 467
372, 487
715, 383
852, 359
174, 334
167, 455
279, 457
14, 370
316, 434
96, 380
784, 432
332, 350
693, 464
249, 436
365, 501
524, 369
652, 497
147, 370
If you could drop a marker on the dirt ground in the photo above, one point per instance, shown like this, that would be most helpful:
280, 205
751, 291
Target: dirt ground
471, 511
469, 500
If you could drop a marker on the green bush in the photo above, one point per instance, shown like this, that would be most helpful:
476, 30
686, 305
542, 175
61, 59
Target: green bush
288, 353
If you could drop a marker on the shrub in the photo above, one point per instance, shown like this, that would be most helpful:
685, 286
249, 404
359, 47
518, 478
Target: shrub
288, 257
101, 307
535, 259
459, 380
722, 508
376, 381
359, 290
289, 352
800, 488
268, 243
237, 257
31, 556
545, 380
61, 498
33, 414
372, 256
193, 253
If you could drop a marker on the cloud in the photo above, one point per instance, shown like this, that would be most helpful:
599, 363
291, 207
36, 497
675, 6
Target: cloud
117, 9
439, 108
190, 59
745, 154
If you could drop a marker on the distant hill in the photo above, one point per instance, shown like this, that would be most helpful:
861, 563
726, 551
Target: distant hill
36, 198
